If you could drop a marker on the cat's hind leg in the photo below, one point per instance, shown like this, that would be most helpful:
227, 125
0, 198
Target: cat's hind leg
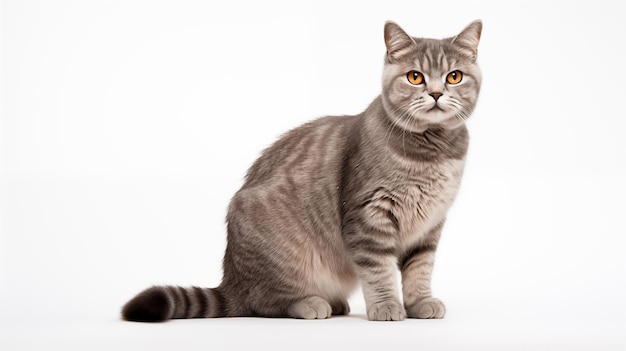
312, 307
340, 308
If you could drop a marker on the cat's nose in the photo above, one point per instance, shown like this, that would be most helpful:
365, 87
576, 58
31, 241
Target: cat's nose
435, 96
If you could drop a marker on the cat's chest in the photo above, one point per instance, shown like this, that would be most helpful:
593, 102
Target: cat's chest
411, 202
428, 193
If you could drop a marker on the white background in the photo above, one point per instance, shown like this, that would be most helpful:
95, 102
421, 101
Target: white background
128, 125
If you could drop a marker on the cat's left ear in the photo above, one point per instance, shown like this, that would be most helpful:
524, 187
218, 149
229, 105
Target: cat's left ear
468, 39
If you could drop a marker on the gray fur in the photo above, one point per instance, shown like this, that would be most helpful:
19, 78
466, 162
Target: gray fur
350, 199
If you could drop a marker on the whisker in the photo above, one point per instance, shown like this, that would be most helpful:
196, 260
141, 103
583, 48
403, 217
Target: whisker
403, 116
461, 112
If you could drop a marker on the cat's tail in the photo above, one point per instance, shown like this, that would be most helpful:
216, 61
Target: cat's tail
160, 303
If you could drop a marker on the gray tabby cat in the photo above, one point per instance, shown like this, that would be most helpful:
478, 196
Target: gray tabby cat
349, 199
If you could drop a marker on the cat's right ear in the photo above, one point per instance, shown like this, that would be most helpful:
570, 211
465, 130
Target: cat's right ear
397, 41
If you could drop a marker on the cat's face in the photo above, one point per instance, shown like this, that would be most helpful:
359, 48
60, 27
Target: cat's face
429, 83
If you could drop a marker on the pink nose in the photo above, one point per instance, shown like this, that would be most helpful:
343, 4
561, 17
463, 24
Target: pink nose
435, 96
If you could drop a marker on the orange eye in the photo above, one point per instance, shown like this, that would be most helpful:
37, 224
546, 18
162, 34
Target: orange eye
415, 77
454, 77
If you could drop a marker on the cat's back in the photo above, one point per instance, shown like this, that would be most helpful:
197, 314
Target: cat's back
308, 154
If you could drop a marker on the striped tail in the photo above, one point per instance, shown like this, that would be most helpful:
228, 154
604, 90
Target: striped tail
160, 303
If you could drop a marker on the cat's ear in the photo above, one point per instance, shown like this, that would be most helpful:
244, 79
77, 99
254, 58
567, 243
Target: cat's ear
397, 41
468, 39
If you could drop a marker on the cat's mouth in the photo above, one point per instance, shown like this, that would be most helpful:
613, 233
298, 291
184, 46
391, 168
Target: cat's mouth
437, 113
435, 108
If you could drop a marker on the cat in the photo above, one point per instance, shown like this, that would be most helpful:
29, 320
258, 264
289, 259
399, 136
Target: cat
344, 200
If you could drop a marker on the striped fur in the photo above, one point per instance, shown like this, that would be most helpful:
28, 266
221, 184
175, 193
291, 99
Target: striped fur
160, 303
347, 199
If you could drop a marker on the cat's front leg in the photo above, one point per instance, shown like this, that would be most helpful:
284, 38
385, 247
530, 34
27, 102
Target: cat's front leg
373, 254
416, 266
381, 303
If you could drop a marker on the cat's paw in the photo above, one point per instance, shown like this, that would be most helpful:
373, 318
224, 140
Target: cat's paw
340, 308
386, 311
313, 307
428, 308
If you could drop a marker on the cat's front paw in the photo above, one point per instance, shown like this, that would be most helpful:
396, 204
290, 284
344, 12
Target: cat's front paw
428, 308
386, 311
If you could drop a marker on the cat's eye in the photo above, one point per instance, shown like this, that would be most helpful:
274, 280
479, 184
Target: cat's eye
454, 77
415, 77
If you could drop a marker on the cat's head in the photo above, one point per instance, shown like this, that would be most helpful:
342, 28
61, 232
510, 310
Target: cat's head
430, 83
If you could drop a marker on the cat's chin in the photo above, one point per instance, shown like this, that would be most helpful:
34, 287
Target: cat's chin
433, 120
436, 115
